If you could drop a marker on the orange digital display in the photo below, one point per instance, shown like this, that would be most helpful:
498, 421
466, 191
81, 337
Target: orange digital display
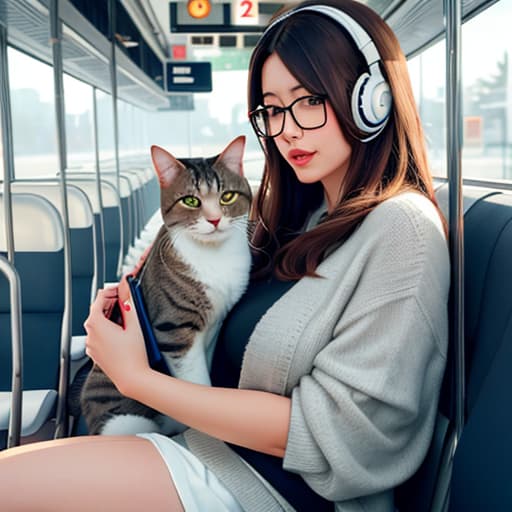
198, 8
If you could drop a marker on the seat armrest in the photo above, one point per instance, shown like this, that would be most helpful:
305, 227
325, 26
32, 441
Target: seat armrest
77, 350
38, 406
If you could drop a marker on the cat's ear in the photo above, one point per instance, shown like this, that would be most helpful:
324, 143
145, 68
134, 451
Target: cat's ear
232, 156
166, 166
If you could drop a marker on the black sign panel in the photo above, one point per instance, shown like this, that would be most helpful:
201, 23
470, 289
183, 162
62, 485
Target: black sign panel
217, 21
189, 76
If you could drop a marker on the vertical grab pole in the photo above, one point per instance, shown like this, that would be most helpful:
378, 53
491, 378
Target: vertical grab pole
7, 145
452, 15
456, 221
112, 19
7, 266
14, 432
101, 278
61, 428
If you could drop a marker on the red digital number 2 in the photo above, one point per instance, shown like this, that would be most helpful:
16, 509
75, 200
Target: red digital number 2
248, 7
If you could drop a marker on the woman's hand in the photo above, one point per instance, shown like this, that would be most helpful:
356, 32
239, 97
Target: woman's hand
119, 351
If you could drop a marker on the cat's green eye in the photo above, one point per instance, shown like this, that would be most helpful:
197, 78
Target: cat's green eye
228, 198
191, 201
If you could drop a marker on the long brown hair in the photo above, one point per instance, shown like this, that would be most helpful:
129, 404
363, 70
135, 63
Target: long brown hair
325, 60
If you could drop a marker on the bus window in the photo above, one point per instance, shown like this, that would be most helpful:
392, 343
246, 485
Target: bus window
428, 74
486, 104
105, 131
487, 107
78, 102
133, 134
33, 116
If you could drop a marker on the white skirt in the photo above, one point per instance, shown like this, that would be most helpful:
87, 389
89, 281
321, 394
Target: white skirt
198, 488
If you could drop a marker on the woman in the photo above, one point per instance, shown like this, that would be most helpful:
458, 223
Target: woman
339, 384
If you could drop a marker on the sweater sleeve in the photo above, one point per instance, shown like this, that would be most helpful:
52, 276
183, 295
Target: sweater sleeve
362, 419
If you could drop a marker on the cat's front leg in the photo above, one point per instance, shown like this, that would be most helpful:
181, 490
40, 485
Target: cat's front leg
191, 366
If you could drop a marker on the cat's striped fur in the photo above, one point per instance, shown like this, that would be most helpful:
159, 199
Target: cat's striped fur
197, 269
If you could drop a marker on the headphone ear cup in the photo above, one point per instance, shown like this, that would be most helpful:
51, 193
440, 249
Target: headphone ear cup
357, 102
381, 101
371, 102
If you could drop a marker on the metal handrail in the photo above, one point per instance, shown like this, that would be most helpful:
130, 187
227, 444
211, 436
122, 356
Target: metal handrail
101, 279
8, 156
452, 11
61, 427
112, 20
456, 220
14, 429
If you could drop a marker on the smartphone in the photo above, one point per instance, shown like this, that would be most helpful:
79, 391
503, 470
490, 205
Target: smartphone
155, 357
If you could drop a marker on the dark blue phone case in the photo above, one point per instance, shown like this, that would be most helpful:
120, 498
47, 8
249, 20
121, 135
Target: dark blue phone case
155, 357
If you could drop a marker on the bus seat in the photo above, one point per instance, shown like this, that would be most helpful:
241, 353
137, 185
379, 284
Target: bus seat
127, 213
112, 231
471, 194
108, 220
82, 240
151, 195
39, 261
150, 202
483, 459
107, 217
38, 405
428, 486
87, 184
137, 187
488, 283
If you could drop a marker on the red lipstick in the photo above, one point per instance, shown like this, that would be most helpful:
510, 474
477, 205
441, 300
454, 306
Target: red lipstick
300, 157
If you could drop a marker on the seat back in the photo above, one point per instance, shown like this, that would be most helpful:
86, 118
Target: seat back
482, 463
427, 489
87, 185
125, 197
39, 261
84, 262
136, 202
113, 231
108, 224
151, 194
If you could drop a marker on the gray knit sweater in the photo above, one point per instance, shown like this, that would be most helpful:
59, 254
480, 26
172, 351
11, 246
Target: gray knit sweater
361, 353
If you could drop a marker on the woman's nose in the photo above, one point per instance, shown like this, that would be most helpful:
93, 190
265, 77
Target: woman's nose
291, 129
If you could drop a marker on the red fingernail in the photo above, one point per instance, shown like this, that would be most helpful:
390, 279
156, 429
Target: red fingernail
127, 307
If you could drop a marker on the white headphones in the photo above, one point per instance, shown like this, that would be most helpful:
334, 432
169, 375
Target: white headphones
371, 97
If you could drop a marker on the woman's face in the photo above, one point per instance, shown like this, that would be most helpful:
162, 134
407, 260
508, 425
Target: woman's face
321, 154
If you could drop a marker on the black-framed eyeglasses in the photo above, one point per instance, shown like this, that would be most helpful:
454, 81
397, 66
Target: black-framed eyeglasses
308, 112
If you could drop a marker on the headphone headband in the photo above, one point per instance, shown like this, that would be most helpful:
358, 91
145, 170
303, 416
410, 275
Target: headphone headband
371, 97
357, 32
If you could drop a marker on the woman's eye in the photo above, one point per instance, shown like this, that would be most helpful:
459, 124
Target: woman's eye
315, 100
228, 198
274, 111
191, 201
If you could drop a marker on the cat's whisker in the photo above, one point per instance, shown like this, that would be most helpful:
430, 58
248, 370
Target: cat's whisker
240, 220
239, 227
244, 226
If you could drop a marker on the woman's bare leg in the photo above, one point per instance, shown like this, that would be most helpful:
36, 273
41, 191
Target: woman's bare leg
86, 473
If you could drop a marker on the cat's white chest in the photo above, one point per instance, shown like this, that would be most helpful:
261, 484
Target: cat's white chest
222, 269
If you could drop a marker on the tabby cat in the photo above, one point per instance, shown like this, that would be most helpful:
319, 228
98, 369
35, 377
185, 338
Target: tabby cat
196, 270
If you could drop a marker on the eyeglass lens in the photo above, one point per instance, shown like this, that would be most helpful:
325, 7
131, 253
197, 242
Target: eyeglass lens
308, 112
